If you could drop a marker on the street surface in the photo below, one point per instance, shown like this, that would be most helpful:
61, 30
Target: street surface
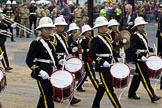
22, 90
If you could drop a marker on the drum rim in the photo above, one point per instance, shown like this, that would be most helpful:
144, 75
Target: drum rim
76, 58
147, 62
120, 63
68, 72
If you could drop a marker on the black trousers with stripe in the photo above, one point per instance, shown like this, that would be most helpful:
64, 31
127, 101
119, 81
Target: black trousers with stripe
141, 75
4, 60
91, 73
106, 86
46, 93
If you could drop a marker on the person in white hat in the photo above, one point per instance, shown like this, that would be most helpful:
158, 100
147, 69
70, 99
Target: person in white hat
140, 50
41, 59
62, 48
3, 38
114, 34
10, 13
101, 53
86, 36
32, 18
159, 38
73, 34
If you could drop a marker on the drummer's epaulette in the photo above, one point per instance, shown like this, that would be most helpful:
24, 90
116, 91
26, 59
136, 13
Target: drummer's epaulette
38, 38
135, 33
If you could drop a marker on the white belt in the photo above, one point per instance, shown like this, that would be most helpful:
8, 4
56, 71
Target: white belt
32, 13
43, 60
141, 50
103, 55
61, 53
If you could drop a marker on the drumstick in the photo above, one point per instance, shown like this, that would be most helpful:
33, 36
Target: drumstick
155, 49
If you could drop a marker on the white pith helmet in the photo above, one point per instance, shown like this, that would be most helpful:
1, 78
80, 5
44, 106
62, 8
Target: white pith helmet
60, 21
14, 2
70, 3
45, 22
85, 28
32, 2
100, 21
8, 2
1, 10
113, 22
73, 26
139, 21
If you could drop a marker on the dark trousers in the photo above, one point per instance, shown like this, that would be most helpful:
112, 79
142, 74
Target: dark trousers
141, 74
4, 60
12, 37
106, 86
91, 73
45, 99
32, 19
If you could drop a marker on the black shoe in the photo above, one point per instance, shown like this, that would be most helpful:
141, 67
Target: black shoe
13, 41
95, 107
74, 101
28, 37
8, 68
80, 89
160, 87
134, 97
155, 98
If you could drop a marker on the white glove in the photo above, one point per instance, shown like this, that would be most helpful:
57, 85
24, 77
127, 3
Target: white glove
74, 49
14, 25
106, 64
124, 41
122, 54
44, 75
2, 16
143, 58
62, 61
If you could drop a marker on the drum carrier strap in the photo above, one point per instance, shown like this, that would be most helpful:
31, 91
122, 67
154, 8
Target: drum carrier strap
49, 51
146, 45
63, 44
106, 45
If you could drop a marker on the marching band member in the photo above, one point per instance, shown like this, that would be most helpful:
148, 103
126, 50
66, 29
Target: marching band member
140, 49
62, 49
42, 62
159, 38
5, 62
85, 45
114, 33
10, 13
101, 53
32, 18
73, 35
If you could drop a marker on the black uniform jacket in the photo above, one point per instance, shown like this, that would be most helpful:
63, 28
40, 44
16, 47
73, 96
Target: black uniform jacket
37, 50
99, 47
138, 46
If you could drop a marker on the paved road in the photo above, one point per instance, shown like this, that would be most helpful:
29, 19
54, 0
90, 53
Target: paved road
22, 91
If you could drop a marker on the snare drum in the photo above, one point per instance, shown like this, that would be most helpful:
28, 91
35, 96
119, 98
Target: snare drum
3, 82
75, 65
120, 73
63, 84
154, 64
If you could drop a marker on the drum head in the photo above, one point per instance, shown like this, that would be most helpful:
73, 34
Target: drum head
73, 64
1, 75
61, 79
119, 70
154, 63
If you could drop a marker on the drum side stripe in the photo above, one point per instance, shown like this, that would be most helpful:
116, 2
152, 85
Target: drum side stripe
107, 90
91, 75
3, 58
144, 80
45, 102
